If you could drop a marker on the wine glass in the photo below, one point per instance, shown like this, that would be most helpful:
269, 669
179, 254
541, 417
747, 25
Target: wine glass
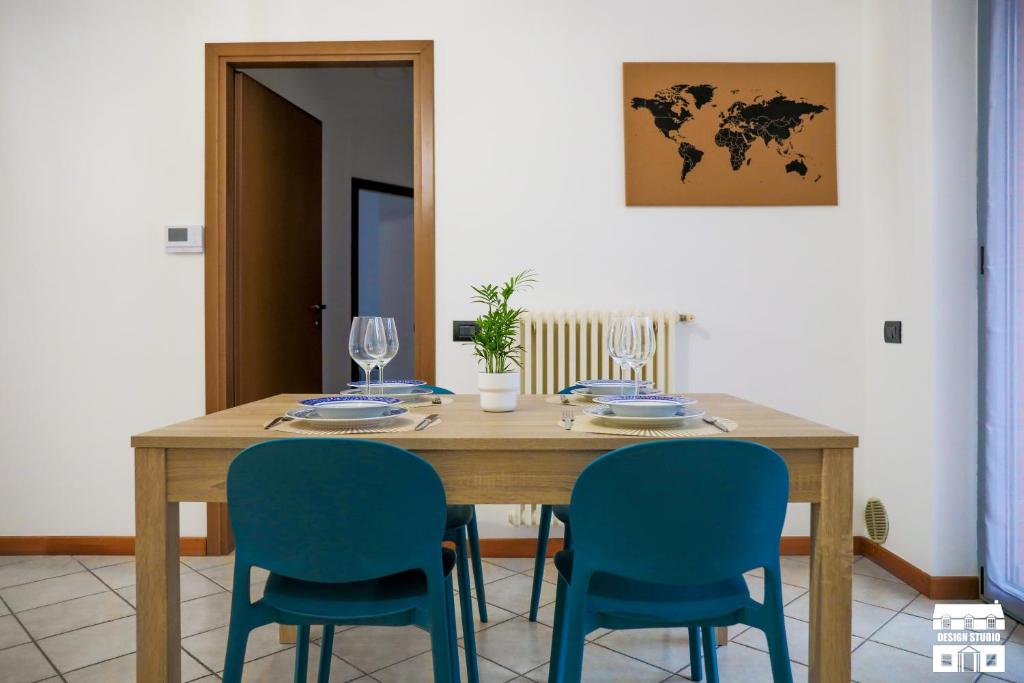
391, 347
614, 342
366, 343
641, 345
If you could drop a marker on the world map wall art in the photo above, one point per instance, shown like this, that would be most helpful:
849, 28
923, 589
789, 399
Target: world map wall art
730, 134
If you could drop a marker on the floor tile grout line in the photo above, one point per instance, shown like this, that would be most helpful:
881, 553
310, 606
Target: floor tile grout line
111, 588
48, 578
34, 642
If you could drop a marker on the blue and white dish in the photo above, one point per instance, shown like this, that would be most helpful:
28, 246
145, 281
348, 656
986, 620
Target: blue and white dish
350, 406
681, 417
310, 416
585, 394
600, 387
389, 386
644, 406
414, 395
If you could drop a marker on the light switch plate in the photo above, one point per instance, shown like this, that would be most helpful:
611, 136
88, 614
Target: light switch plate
183, 239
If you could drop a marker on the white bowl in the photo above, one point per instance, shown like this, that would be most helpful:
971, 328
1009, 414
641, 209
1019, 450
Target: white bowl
350, 407
648, 407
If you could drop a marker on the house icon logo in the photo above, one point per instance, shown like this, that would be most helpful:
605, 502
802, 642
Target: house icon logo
969, 638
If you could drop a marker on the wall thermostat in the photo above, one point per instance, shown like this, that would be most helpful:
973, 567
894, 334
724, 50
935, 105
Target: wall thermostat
184, 239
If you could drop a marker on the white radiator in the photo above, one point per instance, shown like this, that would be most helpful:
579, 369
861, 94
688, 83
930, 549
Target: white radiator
562, 347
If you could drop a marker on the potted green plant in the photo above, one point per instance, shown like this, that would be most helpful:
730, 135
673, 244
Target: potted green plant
496, 345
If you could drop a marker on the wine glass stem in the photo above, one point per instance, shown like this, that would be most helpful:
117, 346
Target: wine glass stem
636, 381
367, 369
381, 366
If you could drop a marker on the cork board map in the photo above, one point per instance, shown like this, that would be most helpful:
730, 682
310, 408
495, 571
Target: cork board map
730, 134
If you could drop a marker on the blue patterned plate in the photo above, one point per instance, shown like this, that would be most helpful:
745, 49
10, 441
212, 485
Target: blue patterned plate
310, 416
389, 386
645, 406
350, 406
682, 416
411, 396
585, 394
598, 387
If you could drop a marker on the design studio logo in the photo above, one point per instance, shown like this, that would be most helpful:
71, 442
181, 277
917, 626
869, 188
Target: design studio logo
969, 638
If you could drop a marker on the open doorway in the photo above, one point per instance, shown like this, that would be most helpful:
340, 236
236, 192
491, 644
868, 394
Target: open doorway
288, 127
366, 117
382, 263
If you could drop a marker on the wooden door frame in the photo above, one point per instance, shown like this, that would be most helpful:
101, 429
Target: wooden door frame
222, 59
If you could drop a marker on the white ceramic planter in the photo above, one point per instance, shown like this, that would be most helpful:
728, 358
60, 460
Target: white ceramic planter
498, 391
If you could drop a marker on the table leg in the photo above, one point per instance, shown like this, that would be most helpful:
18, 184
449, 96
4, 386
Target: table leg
158, 630
832, 570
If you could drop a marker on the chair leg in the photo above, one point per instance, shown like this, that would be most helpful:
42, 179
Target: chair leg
710, 653
478, 566
538, 560
466, 600
453, 635
573, 635
445, 670
234, 655
696, 671
326, 648
558, 633
302, 653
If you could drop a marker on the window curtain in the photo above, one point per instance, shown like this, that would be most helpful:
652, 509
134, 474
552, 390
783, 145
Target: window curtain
1000, 203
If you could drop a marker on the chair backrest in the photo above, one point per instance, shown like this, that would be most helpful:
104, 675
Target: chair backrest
334, 510
437, 390
568, 389
685, 511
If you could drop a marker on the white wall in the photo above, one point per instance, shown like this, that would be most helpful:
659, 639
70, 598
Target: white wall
920, 128
367, 133
789, 300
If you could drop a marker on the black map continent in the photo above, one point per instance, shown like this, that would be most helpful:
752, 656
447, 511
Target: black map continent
672, 108
773, 121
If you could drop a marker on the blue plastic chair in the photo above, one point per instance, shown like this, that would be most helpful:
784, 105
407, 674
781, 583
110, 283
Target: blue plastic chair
351, 532
465, 516
662, 535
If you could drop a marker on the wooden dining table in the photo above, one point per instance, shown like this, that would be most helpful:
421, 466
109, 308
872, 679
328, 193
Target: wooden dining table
523, 456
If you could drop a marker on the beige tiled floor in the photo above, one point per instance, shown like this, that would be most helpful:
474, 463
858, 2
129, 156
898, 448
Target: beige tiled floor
73, 619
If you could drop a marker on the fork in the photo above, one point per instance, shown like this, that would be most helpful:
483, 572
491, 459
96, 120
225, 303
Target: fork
567, 418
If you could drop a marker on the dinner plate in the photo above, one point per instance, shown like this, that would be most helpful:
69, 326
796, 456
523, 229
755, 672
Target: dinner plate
389, 386
584, 393
309, 416
605, 414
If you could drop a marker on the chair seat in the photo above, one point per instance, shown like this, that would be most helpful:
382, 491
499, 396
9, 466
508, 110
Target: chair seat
346, 603
626, 603
458, 515
561, 513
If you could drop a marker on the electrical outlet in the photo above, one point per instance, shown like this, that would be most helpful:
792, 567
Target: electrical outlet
463, 330
893, 332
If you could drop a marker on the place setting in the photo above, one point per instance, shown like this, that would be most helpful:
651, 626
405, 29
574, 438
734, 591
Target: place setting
637, 407
368, 406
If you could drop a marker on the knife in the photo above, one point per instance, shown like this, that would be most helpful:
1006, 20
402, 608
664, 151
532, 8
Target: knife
714, 421
277, 420
427, 421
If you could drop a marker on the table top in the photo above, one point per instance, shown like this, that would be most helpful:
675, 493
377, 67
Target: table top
465, 427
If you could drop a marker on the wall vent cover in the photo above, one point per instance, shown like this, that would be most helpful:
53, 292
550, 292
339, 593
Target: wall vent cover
876, 519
